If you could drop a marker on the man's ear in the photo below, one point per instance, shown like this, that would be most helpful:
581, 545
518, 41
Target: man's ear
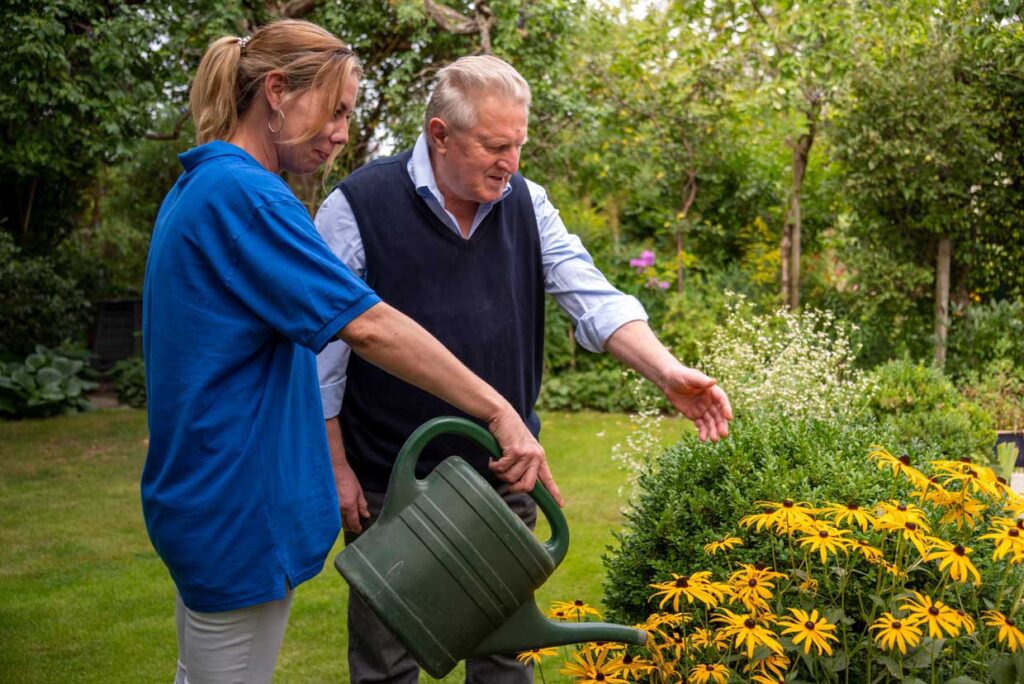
438, 135
275, 86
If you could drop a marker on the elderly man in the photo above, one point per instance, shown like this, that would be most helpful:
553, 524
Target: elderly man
450, 234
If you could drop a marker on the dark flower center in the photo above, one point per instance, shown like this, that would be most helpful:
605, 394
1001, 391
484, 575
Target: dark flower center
897, 624
823, 534
599, 677
809, 626
970, 471
902, 508
683, 582
752, 582
911, 526
904, 459
959, 550
577, 603
933, 611
627, 659
966, 459
749, 623
1013, 532
1008, 621
1020, 524
787, 503
852, 506
560, 614
1000, 479
761, 566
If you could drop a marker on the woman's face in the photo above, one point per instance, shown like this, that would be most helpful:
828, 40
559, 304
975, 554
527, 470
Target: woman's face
299, 114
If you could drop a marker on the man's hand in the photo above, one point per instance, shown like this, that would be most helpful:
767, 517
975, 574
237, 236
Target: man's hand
350, 499
350, 493
700, 399
522, 460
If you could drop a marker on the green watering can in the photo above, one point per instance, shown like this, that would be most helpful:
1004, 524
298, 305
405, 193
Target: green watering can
451, 570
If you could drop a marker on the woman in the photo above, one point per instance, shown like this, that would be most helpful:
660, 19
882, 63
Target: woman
240, 292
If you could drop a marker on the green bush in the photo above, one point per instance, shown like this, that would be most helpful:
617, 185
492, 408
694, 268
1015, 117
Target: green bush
924, 407
129, 376
696, 492
47, 383
41, 306
981, 334
999, 391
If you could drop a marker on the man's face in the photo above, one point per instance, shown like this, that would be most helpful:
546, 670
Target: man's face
475, 165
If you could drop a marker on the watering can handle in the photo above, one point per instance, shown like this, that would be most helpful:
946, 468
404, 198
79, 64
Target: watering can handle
404, 485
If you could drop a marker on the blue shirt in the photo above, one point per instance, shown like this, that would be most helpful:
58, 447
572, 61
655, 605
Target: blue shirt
596, 307
240, 293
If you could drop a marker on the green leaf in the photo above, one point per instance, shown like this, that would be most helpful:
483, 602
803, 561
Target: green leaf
49, 376
1002, 670
962, 679
35, 361
22, 377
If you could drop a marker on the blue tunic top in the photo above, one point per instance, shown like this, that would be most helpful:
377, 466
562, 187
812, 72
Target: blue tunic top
240, 293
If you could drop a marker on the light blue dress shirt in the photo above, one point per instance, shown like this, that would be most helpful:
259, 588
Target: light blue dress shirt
596, 307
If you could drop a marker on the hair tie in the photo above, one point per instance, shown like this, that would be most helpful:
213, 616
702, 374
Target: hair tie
242, 42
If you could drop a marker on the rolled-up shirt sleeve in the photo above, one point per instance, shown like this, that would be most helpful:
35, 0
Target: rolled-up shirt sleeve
337, 224
596, 307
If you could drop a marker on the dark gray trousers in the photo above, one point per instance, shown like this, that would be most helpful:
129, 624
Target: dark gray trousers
377, 657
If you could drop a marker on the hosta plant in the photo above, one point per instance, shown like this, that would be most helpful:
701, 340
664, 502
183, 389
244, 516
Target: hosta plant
46, 383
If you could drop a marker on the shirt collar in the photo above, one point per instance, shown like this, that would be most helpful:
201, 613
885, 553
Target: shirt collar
216, 148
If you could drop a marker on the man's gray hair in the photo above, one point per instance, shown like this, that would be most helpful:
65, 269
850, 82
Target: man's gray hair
467, 79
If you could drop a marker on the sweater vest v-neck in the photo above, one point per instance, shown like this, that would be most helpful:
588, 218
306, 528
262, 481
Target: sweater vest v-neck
483, 298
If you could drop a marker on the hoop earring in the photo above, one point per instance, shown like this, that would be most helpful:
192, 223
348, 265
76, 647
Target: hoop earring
271, 119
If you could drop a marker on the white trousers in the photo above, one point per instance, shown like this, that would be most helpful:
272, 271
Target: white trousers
232, 647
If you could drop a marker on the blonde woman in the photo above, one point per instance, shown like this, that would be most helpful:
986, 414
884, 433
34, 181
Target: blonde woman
240, 293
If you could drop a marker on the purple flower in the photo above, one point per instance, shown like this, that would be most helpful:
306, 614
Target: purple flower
646, 260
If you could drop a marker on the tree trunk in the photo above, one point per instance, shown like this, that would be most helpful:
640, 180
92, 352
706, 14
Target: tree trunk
785, 249
801, 153
942, 299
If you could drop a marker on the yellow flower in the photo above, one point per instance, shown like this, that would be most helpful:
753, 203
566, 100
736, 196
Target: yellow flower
865, 549
786, 517
722, 545
1007, 538
963, 510
769, 670
892, 631
966, 621
655, 621
978, 479
535, 655
851, 512
894, 515
937, 615
812, 630
707, 638
592, 666
1008, 631
747, 630
1014, 504
633, 666
809, 586
899, 466
954, 558
704, 673
825, 540
695, 587
572, 609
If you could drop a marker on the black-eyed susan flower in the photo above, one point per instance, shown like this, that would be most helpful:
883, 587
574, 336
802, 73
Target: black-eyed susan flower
940, 619
966, 621
970, 477
633, 667
748, 631
722, 545
535, 655
825, 539
870, 553
809, 628
953, 559
893, 632
592, 666
850, 513
899, 465
963, 510
709, 638
768, 670
1008, 539
1009, 633
786, 516
695, 587
894, 515
573, 610
808, 586
1014, 504
656, 621
708, 672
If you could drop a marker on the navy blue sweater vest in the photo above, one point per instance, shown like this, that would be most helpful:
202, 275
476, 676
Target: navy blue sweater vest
483, 298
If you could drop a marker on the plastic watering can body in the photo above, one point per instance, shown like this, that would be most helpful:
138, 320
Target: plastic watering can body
451, 570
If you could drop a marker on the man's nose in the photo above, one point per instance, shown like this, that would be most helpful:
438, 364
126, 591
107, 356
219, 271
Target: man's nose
510, 160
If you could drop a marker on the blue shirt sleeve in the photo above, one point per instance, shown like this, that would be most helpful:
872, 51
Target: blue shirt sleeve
285, 274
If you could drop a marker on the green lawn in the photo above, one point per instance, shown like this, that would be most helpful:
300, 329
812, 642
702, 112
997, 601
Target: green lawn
86, 599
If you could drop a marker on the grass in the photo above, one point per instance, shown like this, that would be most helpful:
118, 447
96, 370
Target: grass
87, 600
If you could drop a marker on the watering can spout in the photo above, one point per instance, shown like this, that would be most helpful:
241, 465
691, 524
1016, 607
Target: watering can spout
527, 629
